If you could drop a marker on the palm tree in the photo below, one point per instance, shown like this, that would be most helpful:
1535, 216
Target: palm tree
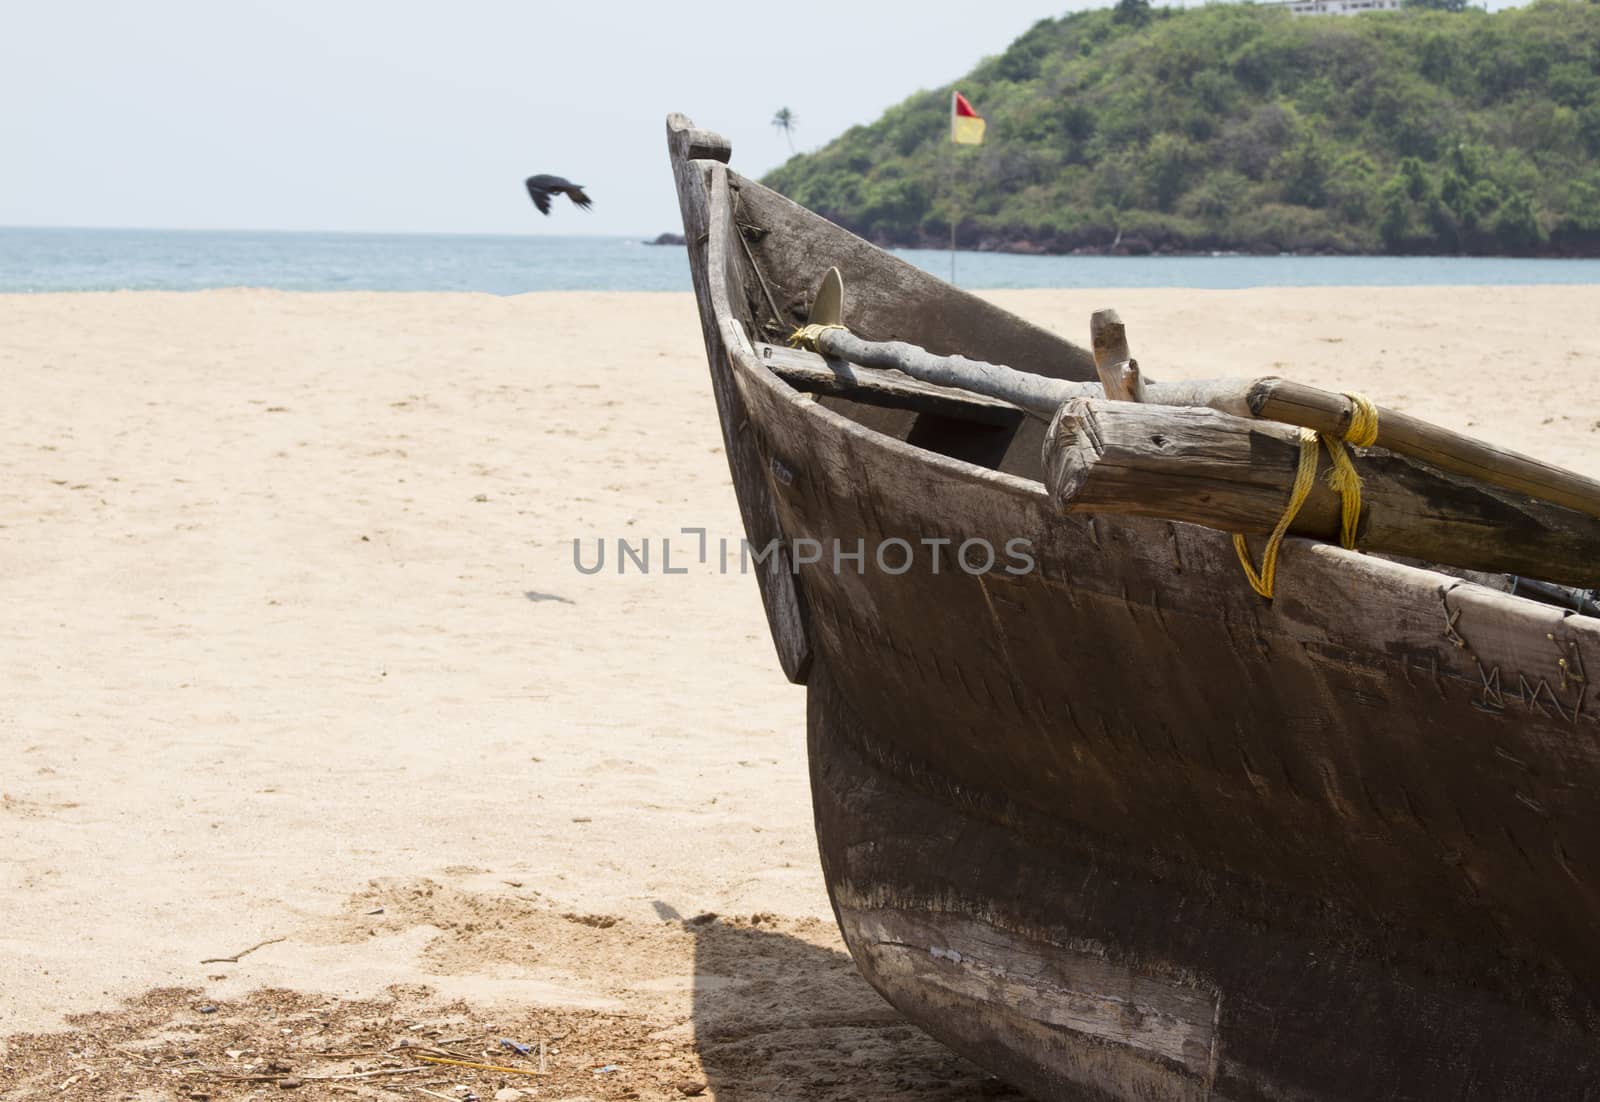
785, 121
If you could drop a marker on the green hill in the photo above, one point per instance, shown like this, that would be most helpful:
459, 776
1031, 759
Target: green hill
1241, 127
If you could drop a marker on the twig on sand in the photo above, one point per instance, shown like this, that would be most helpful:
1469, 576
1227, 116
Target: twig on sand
474, 1064
243, 952
413, 1047
436, 1094
274, 1077
361, 1074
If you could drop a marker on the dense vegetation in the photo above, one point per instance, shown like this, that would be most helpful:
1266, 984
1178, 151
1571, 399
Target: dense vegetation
1234, 126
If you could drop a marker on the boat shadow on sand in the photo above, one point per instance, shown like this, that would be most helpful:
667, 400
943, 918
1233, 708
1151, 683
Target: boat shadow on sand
776, 1015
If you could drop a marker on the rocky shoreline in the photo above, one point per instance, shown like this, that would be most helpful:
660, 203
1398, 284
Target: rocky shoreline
1558, 247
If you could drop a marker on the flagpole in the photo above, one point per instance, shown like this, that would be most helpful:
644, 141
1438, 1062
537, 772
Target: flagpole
951, 182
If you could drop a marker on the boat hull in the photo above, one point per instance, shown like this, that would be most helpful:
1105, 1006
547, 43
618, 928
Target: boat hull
1059, 962
1105, 820
1340, 845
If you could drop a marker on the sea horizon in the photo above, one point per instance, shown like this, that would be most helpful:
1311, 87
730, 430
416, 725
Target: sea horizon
45, 259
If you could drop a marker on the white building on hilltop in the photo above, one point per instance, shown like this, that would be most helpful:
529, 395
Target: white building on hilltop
1335, 7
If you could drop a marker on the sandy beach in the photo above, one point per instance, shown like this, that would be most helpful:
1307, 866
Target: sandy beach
297, 668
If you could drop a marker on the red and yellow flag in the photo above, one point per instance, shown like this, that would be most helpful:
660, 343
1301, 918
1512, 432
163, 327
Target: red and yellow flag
966, 125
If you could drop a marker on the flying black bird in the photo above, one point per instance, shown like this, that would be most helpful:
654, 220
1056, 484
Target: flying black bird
541, 187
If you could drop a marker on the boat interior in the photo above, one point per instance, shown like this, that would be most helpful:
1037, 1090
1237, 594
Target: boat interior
782, 271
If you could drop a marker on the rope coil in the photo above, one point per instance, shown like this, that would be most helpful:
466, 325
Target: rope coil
1343, 479
1363, 430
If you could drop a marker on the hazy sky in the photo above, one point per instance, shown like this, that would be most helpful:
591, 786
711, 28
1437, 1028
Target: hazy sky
360, 115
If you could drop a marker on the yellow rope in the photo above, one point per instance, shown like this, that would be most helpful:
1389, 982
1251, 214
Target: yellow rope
1363, 430
1304, 477
1342, 477
807, 335
1363, 433
1347, 484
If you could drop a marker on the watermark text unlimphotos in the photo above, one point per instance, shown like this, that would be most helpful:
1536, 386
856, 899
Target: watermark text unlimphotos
894, 555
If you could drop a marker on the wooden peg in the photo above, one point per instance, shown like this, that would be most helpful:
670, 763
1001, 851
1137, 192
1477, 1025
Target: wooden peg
1118, 370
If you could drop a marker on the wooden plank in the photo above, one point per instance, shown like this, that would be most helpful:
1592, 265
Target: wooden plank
1204, 467
1021, 389
816, 374
781, 595
976, 963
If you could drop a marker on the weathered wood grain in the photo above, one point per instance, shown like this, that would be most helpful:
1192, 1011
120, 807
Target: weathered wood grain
1118, 370
1203, 467
886, 365
1017, 388
1303, 1005
816, 374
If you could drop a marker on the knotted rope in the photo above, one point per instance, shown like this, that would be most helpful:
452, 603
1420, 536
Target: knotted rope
807, 335
1362, 432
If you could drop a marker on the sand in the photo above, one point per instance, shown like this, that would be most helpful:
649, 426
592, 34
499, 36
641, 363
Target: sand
294, 652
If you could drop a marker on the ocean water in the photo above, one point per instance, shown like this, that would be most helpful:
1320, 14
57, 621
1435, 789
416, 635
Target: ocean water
191, 260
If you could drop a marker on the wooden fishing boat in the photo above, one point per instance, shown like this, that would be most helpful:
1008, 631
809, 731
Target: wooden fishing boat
1116, 826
